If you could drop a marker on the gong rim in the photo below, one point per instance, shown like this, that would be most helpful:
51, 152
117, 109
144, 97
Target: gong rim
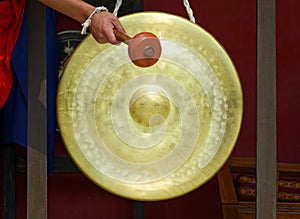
185, 177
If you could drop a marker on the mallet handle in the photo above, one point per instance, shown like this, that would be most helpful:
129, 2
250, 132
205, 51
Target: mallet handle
121, 36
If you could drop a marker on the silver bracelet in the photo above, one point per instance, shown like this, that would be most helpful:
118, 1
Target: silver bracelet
88, 21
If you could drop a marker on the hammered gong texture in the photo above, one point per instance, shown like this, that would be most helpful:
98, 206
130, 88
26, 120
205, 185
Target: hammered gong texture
151, 133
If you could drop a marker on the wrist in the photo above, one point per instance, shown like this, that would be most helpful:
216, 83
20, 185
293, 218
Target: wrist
87, 12
88, 21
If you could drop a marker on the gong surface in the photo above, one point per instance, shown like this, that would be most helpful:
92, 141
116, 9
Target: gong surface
151, 133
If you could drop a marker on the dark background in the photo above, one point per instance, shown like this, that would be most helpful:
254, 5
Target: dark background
233, 23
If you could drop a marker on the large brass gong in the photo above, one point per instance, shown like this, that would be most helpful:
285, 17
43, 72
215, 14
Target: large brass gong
151, 133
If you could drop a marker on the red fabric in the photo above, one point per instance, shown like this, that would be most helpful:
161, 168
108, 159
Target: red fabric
11, 15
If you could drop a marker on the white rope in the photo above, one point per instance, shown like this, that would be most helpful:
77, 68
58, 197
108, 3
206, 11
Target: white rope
185, 2
118, 4
189, 10
88, 21
117, 7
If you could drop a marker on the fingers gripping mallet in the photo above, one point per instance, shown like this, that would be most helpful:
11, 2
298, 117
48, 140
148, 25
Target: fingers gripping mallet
144, 49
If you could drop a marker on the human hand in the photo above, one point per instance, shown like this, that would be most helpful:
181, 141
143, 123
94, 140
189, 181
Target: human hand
102, 26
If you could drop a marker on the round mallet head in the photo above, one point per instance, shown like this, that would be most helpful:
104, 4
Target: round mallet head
144, 49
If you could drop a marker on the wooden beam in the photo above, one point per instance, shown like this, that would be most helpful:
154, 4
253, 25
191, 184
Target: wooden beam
37, 116
266, 152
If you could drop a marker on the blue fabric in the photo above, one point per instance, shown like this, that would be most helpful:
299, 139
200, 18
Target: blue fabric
14, 112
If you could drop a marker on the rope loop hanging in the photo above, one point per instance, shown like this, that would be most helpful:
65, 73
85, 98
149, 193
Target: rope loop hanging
185, 2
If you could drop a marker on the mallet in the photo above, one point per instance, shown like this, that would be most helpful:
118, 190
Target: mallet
144, 48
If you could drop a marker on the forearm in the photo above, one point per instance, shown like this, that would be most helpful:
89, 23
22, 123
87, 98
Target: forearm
102, 24
76, 9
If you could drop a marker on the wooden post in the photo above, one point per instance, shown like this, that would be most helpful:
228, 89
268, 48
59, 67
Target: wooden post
266, 152
37, 116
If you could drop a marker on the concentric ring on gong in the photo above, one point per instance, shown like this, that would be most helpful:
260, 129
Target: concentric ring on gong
151, 133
